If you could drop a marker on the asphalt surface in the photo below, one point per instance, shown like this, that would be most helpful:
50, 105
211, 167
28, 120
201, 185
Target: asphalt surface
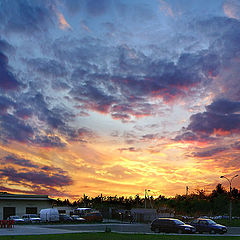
74, 228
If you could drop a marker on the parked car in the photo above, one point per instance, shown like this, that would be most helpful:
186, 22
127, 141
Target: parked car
171, 225
49, 215
93, 217
65, 218
31, 218
208, 225
16, 219
76, 218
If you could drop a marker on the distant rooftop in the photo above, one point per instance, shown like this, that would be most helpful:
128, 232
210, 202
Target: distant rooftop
9, 196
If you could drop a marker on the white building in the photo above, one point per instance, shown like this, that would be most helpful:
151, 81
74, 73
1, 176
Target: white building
19, 204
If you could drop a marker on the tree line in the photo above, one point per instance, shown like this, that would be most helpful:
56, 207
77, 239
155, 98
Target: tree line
194, 204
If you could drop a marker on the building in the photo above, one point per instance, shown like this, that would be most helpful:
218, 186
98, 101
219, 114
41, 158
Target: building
149, 214
19, 204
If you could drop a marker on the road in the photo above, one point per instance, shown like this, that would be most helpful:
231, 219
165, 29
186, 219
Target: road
74, 228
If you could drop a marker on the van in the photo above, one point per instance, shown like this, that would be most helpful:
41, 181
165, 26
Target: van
49, 215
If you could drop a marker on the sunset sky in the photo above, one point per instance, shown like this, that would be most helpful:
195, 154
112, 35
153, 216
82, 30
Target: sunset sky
118, 96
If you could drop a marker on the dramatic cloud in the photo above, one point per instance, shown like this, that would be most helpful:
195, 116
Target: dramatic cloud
7, 78
14, 129
5, 104
220, 119
47, 68
236, 145
208, 153
19, 161
224, 106
26, 16
48, 141
35, 177
210, 123
149, 85
130, 149
231, 8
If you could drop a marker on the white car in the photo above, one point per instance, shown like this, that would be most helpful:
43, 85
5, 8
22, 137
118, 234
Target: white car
16, 219
31, 218
76, 218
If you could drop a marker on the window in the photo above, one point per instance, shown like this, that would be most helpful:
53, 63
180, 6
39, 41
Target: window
31, 210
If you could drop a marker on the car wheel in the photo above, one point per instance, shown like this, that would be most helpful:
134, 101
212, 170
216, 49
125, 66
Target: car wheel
180, 231
157, 230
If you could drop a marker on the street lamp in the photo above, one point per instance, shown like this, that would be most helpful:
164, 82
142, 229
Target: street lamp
230, 188
146, 194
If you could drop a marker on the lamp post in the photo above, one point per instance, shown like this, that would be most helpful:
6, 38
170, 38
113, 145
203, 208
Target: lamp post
146, 194
230, 188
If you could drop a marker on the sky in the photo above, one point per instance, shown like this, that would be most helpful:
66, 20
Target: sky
114, 97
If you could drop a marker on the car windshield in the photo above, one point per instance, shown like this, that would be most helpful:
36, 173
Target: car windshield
178, 222
211, 222
33, 216
15, 217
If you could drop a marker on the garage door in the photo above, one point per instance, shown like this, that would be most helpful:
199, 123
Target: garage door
8, 211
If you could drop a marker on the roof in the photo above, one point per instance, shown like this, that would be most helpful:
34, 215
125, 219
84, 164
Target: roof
9, 196
144, 210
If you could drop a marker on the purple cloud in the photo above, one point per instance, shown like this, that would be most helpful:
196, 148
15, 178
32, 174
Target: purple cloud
26, 17
5, 104
209, 122
209, 153
129, 149
48, 142
35, 177
19, 161
14, 129
7, 78
47, 67
236, 145
223, 106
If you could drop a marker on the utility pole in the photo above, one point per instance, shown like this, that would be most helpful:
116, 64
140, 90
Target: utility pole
187, 188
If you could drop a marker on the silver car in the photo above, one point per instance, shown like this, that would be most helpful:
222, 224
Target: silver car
16, 219
31, 218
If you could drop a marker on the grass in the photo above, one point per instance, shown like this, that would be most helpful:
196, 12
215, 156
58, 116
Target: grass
114, 236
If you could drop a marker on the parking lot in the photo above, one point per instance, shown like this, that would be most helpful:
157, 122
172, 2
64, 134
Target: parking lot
34, 229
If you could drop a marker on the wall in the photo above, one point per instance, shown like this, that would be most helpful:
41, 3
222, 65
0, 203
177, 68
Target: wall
21, 205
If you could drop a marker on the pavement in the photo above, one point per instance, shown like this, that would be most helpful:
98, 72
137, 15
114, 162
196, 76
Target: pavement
78, 228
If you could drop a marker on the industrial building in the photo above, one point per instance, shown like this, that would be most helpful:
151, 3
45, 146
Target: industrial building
19, 204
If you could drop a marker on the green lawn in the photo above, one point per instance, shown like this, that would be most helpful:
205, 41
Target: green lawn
113, 236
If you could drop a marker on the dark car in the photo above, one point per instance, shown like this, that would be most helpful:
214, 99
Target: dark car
171, 225
65, 218
208, 225
93, 217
